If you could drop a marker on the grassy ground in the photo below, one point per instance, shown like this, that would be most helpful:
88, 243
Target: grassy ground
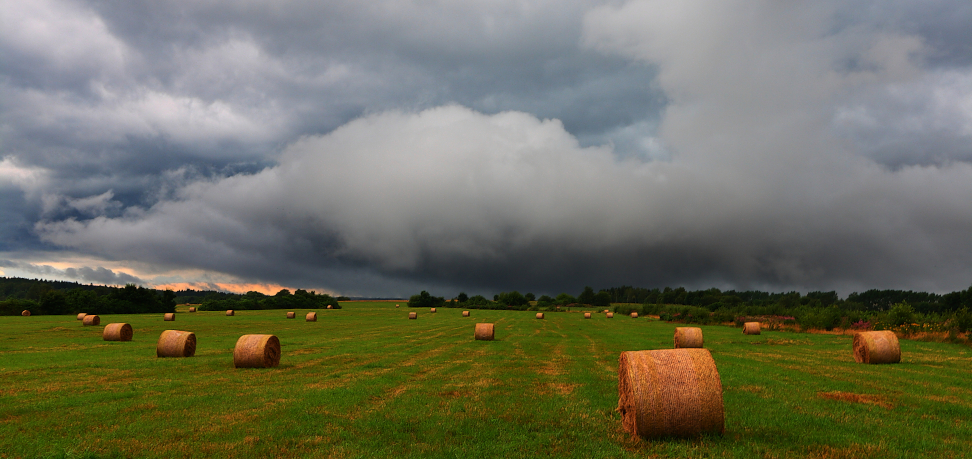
366, 382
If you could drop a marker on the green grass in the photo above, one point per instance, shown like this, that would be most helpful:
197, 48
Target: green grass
364, 381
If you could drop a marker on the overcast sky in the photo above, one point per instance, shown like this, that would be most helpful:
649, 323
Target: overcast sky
384, 147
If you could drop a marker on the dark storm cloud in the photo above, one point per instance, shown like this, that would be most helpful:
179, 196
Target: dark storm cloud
494, 145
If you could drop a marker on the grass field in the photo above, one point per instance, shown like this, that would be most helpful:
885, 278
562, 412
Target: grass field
364, 381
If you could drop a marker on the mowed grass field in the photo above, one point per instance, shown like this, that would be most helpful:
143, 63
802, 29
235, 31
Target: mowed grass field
365, 381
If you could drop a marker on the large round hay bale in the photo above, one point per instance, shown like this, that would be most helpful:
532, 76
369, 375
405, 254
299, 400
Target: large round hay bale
413, 315
169, 317
230, 312
432, 310
587, 315
256, 351
291, 315
311, 317
751, 328
24, 313
484, 332
876, 347
539, 315
670, 393
609, 315
176, 343
634, 315
81, 316
465, 313
91, 319
192, 309
117, 332
688, 337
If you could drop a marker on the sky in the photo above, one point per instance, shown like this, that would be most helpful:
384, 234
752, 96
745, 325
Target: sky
381, 148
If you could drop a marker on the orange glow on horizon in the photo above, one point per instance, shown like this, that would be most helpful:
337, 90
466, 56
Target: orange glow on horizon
266, 289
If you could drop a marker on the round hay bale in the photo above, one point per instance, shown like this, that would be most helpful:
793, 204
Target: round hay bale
605, 311
192, 309
539, 315
876, 347
670, 393
413, 315
634, 315
465, 313
432, 310
688, 337
291, 315
396, 305
230, 312
25, 313
91, 319
587, 315
751, 328
117, 332
81, 316
169, 317
176, 343
484, 332
329, 307
609, 315
311, 317
256, 351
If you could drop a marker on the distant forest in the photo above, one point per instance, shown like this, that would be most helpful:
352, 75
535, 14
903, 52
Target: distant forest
42, 297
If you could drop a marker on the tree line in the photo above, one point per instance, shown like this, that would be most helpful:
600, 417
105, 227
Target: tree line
300, 299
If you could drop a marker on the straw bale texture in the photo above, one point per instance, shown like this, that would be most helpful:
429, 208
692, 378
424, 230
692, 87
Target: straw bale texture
688, 337
230, 312
539, 315
117, 332
670, 393
609, 315
176, 343
169, 317
192, 309
634, 315
587, 315
876, 347
433, 310
413, 315
465, 313
25, 313
256, 351
81, 316
311, 317
91, 319
751, 328
484, 332
291, 315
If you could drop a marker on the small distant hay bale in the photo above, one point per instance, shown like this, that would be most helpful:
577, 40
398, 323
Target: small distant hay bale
169, 317
432, 310
176, 343
484, 332
751, 328
117, 332
396, 305
634, 315
91, 319
670, 393
587, 315
413, 315
81, 316
876, 347
230, 312
605, 311
688, 337
465, 313
311, 317
609, 315
256, 351
24, 313
192, 309
330, 307
539, 315
291, 315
